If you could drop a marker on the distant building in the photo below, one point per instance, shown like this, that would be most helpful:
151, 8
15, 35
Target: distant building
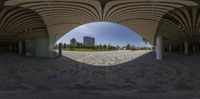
73, 41
88, 41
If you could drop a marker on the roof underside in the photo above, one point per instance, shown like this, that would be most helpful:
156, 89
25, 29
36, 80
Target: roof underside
22, 19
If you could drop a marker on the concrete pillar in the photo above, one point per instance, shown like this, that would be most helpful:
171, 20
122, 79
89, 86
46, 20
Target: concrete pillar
186, 48
20, 47
60, 49
170, 48
159, 48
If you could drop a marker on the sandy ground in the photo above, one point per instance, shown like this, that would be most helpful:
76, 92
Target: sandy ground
176, 77
106, 58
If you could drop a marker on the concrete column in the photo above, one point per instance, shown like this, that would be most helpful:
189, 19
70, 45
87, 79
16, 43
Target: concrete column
154, 49
186, 48
159, 48
20, 47
60, 49
170, 48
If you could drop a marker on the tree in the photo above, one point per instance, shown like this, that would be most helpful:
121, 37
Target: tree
109, 46
100, 46
64, 45
79, 45
117, 47
105, 46
133, 47
128, 47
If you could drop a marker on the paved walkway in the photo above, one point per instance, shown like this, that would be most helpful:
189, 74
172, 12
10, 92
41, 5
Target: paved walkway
177, 77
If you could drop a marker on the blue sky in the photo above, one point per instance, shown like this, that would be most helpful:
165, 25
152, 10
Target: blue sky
104, 33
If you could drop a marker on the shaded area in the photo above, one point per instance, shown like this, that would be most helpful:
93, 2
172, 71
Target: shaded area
144, 77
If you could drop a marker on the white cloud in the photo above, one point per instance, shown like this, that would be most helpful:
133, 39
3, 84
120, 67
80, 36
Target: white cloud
85, 29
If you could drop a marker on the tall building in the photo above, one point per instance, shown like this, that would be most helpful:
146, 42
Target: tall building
88, 41
73, 41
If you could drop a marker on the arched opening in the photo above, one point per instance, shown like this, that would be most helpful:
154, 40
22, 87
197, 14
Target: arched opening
23, 77
103, 44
